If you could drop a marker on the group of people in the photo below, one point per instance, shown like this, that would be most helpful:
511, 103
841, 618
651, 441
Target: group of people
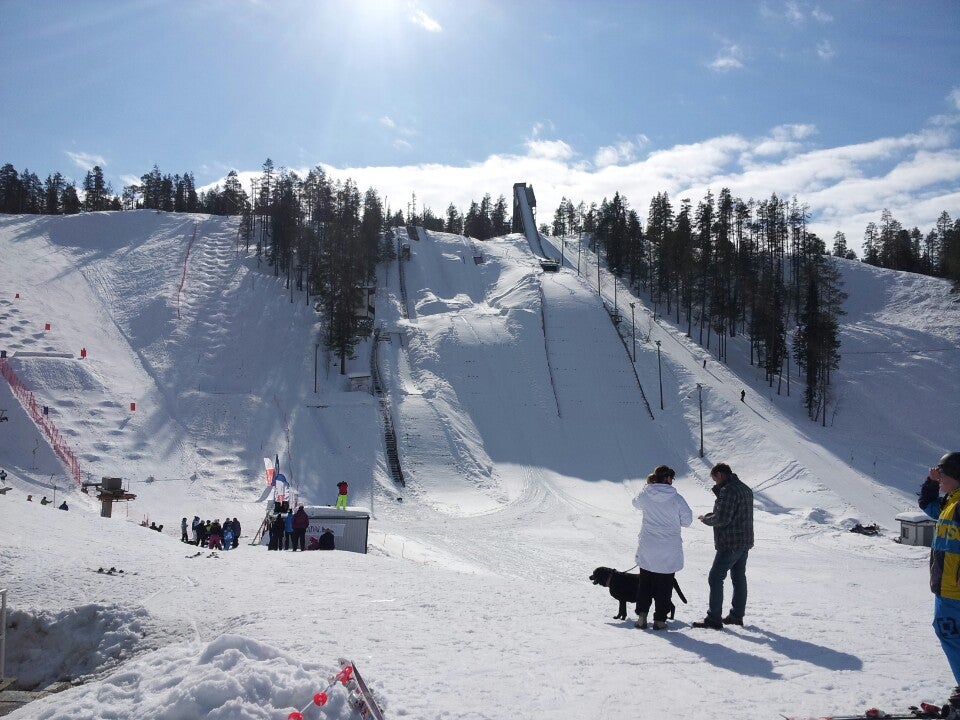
660, 548
215, 535
289, 532
44, 501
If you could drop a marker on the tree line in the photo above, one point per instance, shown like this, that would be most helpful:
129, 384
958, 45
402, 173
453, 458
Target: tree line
722, 267
729, 266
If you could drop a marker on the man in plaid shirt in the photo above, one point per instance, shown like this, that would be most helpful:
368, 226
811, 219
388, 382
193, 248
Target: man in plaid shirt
732, 523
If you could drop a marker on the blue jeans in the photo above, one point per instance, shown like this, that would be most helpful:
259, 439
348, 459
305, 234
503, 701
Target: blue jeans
946, 623
734, 562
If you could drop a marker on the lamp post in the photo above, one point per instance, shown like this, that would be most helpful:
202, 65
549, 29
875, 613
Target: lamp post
633, 324
659, 374
596, 247
579, 238
700, 400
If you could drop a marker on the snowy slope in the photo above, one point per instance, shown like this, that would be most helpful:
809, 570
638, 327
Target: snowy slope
523, 437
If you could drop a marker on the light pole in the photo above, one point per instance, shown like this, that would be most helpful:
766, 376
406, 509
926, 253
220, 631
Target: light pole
700, 400
633, 324
659, 374
596, 247
579, 237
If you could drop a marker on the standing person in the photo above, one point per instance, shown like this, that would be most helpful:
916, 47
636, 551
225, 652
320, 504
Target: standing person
659, 546
276, 533
743, 394
227, 534
945, 559
288, 530
183, 531
196, 533
300, 523
216, 535
342, 495
236, 532
732, 523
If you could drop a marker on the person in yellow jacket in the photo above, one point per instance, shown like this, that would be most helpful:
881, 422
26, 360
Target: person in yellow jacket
944, 479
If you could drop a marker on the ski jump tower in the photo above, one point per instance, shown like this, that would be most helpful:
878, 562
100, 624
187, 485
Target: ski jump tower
524, 204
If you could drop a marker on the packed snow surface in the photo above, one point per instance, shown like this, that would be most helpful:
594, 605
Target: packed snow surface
524, 430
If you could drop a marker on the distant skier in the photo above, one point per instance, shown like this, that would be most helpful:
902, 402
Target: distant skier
44, 501
236, 532
63, 505
183, 531
342, 497
743, 394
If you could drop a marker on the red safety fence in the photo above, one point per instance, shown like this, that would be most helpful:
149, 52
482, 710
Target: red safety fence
31, 405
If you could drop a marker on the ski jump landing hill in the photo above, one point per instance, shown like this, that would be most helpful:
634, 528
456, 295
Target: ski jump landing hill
524, 201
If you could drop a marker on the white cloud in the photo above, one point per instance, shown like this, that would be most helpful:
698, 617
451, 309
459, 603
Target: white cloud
549, 149
419, 17
621, 152
793, 13
729, 58
954, 97
85, 161
387, 122
401, 144
825, 50
821, 15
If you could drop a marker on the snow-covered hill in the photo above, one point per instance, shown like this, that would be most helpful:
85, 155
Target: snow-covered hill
524, 430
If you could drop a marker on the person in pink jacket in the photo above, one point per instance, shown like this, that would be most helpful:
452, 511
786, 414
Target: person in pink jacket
659, 546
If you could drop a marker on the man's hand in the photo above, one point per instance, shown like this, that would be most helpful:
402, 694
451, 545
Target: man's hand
929, 491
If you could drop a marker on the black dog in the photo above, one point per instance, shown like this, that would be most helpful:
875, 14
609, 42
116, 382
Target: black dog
625, 588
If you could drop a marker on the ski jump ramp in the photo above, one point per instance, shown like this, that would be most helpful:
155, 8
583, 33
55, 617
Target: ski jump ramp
523, 203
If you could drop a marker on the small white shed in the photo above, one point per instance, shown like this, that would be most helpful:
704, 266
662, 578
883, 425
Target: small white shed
916, 528
349, 526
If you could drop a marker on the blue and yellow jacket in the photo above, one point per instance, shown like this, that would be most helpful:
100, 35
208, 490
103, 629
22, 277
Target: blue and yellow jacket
945, 551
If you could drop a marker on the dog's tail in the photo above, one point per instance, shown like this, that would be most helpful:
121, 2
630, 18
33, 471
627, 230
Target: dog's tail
676, 586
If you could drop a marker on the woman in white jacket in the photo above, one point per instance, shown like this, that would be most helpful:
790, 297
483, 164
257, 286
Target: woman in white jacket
659, 547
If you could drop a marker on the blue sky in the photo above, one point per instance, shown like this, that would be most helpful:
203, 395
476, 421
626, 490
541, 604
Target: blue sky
851, 106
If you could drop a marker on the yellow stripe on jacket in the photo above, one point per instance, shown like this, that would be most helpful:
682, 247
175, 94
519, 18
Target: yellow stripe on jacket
945, 551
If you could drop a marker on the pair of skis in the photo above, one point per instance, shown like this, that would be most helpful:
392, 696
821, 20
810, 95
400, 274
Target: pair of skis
923, 710
359, 696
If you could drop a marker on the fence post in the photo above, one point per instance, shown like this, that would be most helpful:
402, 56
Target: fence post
3, 632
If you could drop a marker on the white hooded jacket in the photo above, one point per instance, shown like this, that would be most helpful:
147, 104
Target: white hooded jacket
659, 547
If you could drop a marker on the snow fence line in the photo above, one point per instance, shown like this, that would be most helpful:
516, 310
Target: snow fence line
30, 404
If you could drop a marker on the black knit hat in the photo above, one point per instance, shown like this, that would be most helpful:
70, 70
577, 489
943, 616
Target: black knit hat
950, 464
